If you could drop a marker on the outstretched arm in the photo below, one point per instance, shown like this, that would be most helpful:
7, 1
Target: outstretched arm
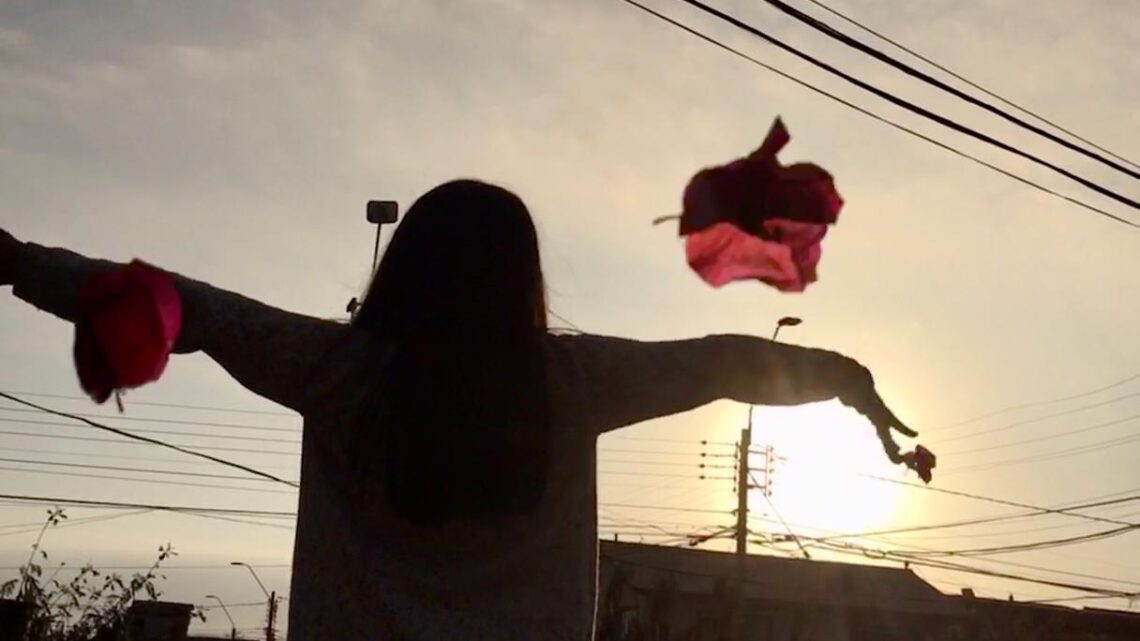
270, 351
628, 381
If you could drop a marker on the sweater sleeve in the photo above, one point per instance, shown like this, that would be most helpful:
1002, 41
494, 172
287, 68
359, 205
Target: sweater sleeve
269, 351
622, 381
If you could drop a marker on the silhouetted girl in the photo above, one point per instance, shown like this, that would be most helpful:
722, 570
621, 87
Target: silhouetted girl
448, 461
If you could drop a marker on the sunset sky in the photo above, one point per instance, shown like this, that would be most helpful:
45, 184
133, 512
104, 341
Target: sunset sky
238, 142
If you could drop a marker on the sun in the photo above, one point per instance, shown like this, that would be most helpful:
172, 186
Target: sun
822, 450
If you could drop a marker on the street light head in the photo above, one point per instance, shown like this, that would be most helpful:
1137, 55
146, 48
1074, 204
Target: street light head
382, 211
789, 321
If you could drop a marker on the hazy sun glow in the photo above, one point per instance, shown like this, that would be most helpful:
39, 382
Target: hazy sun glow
822, 449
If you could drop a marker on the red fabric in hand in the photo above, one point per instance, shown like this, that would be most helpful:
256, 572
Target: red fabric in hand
128, 322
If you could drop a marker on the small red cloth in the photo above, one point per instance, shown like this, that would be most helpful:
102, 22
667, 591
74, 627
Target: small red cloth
922, 461
127, 324
755, 218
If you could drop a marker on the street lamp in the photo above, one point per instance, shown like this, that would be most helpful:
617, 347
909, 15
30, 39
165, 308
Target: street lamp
271, 617
787, 321
255, 578
233, 626
379, 213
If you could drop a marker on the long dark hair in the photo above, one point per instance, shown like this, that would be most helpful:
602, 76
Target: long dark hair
460, 294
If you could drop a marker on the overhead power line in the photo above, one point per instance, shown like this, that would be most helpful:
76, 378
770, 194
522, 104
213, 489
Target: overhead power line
226, 437
870, 114
123, 457
87, 439
862, 47
848, 548
664, 508
1050, 456
1070, 509
144, 439
991, 560
169, 421
914, 108
1030, 546
628, 559
1031, 404
1038, 419
25, 470
1067, 511
119, 468
960, 77
51, 500
1048, 437
204, 408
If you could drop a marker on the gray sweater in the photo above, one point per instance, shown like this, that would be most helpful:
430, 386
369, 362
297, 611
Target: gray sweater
360, 572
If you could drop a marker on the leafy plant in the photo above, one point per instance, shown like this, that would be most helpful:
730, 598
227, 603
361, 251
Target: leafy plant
92, 606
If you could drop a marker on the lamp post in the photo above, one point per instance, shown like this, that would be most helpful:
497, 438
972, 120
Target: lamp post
743, 483
271, 615
379, 213
233, 626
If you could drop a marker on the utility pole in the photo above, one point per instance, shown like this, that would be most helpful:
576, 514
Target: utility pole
271, 618
742, 482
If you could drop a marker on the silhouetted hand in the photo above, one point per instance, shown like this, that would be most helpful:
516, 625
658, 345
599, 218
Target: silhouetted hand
856, 389
9, 248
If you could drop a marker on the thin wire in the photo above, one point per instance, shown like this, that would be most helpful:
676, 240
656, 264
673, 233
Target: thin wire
1038, 439
1052, 401
658, 452
665, 509
204, 408
1005, 562
169, 421
142, 480
230, 519
1031, 546
1066, 511
116, 468
1039, 458
144, 439
779, 516
75, 523
863, 47
916, 109
677, 476
66, 437
49, 500
687, 441
873, 554
227, 437
881, 119
969, 82
569, 325
122, 457
1038, 419
958, 567
660, 463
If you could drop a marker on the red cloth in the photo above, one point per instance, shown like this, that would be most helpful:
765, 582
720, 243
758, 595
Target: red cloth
922, 461
128, 322
755, 218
